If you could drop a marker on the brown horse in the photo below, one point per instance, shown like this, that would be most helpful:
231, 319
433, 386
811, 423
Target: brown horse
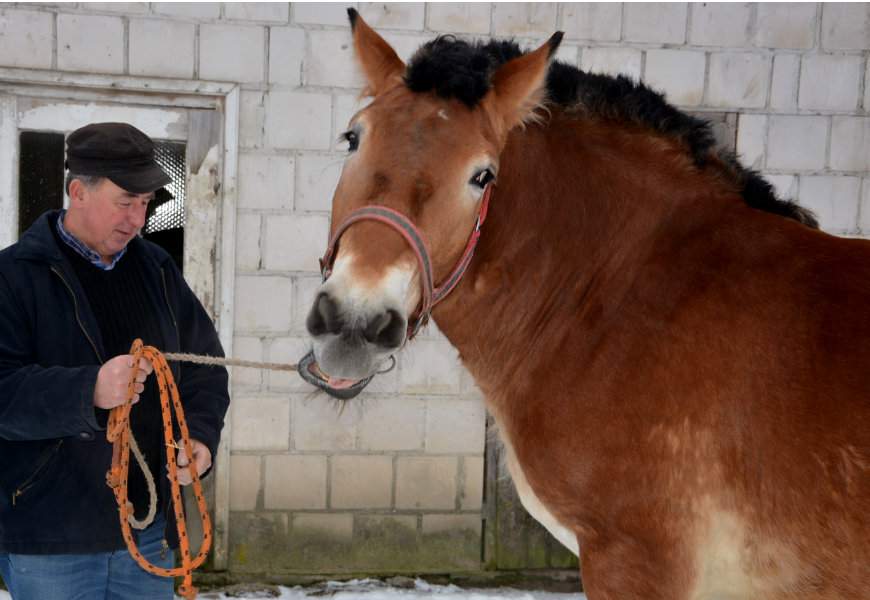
679, 362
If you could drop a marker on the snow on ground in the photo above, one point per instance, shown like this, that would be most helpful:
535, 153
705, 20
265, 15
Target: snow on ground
369, 589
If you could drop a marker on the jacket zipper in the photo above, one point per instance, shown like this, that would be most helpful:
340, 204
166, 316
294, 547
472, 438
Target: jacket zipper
28, 483
78, 318
169, 306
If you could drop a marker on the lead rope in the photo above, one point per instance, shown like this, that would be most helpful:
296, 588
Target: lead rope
118, 433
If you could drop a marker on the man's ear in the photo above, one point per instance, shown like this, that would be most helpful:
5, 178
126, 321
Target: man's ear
519, 85
380, 64
76, 190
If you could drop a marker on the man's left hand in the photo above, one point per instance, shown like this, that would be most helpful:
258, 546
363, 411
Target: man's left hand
201, 458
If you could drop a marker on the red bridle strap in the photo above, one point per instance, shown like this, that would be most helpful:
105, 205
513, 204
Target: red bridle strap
431, 295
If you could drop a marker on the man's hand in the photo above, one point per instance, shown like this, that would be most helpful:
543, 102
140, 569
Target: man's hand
201, 458
113, 378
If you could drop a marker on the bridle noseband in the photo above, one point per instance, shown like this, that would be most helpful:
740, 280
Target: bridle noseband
432, 295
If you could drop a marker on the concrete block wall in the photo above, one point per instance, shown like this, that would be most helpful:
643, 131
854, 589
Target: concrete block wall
394, 482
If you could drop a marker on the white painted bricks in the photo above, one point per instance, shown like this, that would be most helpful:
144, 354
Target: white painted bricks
455, 426
295, 243
244, 481
830, 82
248, 242
319, 13
393, 15
834, 200
330, 60
592, 21
298, 120
273, 12
316, 178
784, 84
654, 22
90, 43
613, 61
785, 25
26, 38
266, 181
260, 423
460, 17
864, 222
751, 140
845, 26
232, 53
677, 73
192, 10
850, 144
738, 80
797, 142
426, 482
715, 24
362, 482
295, 482
392, 424
161, 48
263, 303
286, 53
524, 19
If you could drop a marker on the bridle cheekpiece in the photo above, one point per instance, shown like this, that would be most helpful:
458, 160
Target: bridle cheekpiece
432, 295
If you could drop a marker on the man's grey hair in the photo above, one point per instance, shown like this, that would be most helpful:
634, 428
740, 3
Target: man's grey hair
88, 180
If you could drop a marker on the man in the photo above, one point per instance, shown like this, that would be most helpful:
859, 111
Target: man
75, 291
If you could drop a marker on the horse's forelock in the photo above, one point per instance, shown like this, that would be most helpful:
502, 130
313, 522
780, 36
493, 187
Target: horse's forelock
454, 68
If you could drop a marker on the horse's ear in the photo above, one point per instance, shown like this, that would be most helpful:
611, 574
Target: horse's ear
518, 85
381, 65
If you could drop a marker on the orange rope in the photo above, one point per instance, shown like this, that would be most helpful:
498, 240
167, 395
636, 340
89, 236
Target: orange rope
118, 433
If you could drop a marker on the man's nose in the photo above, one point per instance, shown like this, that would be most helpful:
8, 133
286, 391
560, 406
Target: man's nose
137, 216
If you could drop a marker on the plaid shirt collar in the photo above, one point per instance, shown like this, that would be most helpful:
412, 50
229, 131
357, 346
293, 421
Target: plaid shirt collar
79, 246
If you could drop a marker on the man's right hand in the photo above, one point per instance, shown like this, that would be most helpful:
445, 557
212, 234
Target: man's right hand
113, 378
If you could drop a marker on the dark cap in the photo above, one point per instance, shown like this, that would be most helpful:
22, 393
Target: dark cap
119, 152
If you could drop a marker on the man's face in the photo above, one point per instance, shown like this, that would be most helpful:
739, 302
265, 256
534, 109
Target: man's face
108, 216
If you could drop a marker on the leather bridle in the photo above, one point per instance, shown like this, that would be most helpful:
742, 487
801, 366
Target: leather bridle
432, 294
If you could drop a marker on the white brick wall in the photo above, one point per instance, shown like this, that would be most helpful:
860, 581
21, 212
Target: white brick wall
738, 79
830, 82
798, 76
232, 53
679, 74
785, 25
654, 22
597, 22
26, 38
797, 142
90, 43
524, 19
715, 24
784, 84
460, 17
625, 61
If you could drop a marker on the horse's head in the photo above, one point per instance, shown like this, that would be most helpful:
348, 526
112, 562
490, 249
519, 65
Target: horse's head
409, 196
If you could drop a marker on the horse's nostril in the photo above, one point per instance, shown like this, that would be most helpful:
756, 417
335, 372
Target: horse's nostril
324, 317
386, 329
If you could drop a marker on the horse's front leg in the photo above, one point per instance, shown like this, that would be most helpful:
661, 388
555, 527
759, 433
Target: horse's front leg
622, 568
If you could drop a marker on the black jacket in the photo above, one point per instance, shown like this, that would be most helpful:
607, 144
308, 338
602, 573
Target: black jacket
53, 453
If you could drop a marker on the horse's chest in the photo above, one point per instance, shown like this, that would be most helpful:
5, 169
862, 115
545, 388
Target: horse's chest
533, 504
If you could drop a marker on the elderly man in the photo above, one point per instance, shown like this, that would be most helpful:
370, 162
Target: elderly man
75, 291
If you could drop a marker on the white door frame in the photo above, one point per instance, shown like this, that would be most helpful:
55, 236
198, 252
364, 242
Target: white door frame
172, 93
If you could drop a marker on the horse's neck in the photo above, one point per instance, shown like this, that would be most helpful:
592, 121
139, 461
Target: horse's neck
577, 209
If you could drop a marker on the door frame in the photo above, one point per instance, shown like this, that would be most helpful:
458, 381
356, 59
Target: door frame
222, 97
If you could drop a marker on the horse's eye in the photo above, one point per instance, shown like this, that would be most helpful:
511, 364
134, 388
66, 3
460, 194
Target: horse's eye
352, 139
481, 178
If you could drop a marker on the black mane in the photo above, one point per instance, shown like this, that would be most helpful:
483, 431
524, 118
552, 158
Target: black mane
454, 68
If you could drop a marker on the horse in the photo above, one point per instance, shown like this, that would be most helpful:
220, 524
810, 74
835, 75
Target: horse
678, 361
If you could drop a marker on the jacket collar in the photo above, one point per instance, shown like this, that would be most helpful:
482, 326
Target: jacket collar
38, 243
